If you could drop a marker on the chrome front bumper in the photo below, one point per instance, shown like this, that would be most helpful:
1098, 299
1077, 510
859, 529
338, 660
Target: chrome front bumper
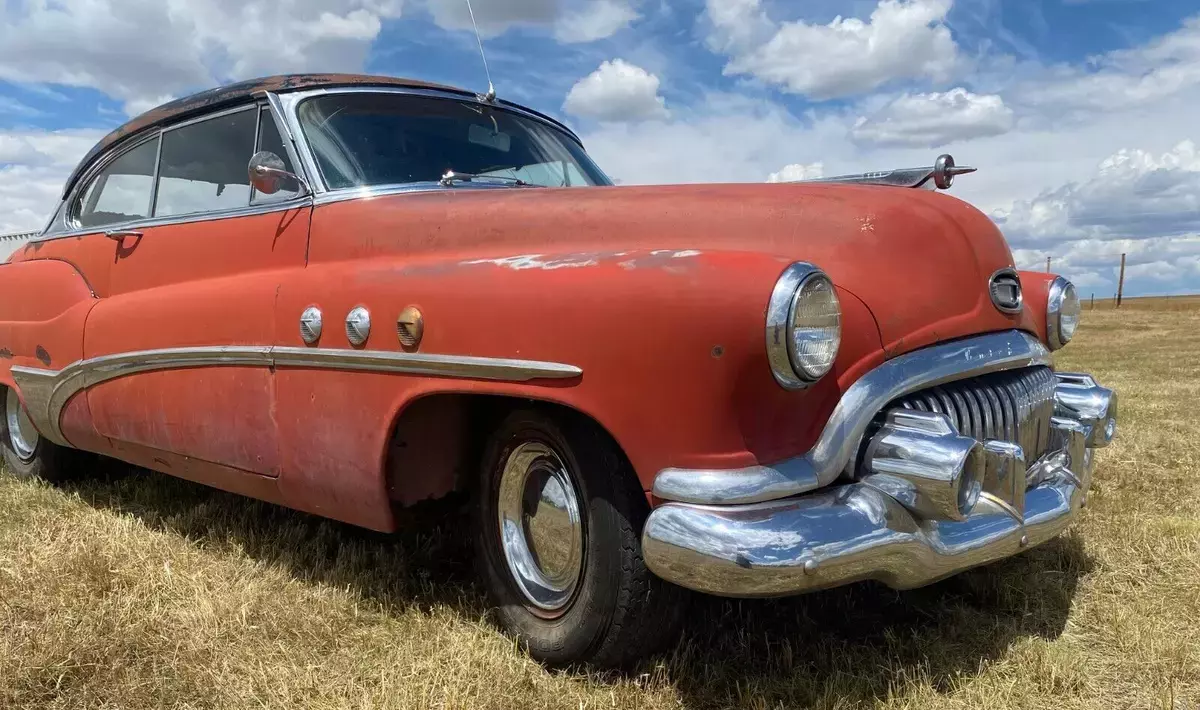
927, 503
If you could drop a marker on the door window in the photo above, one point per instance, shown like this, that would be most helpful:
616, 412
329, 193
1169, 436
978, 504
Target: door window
121, 192
203, 165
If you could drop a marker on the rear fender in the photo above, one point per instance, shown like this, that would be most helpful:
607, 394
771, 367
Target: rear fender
43, 307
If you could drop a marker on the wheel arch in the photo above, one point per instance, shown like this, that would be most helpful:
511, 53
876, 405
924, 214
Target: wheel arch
437, 439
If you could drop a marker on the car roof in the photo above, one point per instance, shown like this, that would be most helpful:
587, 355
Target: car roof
230, 94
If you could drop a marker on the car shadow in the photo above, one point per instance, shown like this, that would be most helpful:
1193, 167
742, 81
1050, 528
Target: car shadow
856, 644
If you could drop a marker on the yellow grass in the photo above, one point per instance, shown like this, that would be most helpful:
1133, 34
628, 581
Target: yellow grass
140, 591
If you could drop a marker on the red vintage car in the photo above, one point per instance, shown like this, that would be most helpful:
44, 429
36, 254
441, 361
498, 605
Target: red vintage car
745, 390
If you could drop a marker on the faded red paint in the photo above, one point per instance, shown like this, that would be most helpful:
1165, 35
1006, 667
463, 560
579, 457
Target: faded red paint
657, 293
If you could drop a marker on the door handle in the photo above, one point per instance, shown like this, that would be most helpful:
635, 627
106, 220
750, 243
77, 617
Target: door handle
120, 234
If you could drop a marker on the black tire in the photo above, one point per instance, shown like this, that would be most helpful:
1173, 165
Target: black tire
619, 612
48, 461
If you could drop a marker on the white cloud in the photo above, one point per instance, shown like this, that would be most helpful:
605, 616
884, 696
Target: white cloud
1166, 67
570, 22
617, 91
934, 119
1133, 193
1143, 205
596, 20
903, 39
140, 50
34, 164
797, 171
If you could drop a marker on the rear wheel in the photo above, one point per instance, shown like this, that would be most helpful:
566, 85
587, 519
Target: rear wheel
559, 520
26, 453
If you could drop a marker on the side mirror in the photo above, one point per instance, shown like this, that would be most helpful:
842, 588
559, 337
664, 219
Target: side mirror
267, 172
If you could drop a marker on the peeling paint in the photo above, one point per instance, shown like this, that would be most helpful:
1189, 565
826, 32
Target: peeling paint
661, 258
658, 258
867, 224
537, 261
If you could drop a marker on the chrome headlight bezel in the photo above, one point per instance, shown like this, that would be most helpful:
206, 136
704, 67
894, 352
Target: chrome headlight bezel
786, 367
1061, 293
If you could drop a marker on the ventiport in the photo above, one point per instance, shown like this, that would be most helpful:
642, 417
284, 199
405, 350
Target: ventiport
948, 475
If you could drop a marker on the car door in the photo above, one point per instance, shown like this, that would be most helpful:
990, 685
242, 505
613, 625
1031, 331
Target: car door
191, 304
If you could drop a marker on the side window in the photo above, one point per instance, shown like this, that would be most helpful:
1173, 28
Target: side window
121, 192
203, 165
269, 139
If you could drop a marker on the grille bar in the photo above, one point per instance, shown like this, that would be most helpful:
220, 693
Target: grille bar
1014, 406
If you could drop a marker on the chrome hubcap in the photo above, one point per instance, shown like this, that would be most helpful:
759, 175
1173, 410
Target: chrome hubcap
541, 528
22, 437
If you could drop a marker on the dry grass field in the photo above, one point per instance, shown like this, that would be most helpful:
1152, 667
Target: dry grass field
135, 590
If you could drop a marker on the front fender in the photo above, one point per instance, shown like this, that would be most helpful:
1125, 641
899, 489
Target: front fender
671, 344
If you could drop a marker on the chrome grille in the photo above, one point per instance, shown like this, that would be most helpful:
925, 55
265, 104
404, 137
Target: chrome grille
1014, 406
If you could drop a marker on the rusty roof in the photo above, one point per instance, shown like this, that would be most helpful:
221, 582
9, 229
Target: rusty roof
241, 91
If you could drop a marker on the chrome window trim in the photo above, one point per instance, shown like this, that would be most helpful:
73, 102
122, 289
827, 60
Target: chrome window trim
362, 193
291, 145
154, 184
210, 116
296, 203
47, 392
837, 446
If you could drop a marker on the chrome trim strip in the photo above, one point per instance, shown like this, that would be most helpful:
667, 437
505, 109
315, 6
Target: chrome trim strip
154, 180
247, 211
835, 449
365, 192
47, 392
276, 111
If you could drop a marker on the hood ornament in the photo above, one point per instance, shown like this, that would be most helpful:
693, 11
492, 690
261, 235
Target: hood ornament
940, 176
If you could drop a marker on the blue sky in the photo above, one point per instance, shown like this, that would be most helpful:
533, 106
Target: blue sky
1080, 114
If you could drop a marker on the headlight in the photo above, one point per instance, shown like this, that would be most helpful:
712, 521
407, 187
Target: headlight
1062, 313
804, 326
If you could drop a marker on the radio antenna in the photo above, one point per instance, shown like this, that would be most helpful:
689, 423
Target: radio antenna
491, 92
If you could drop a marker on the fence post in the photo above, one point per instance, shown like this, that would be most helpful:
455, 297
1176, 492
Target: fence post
1121, 282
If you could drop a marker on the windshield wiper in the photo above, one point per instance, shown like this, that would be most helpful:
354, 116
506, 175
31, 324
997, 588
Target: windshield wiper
452, 177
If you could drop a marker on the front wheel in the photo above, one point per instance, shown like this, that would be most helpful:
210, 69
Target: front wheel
559, 519
26, 453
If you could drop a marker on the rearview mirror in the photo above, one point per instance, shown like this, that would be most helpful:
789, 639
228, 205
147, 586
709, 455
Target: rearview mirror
494, 139
267, 173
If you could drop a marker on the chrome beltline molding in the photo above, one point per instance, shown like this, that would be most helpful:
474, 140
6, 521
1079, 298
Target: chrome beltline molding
46, 392
839, 441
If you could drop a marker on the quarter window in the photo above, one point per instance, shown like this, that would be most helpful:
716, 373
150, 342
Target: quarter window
121, 192
269, 139
203, 165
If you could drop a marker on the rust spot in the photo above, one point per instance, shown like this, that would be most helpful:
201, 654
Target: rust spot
5, 353
42, 355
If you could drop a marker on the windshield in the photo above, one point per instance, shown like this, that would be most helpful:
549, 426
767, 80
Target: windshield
361, 139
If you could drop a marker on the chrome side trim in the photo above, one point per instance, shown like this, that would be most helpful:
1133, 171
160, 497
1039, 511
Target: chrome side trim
47, 392
838, 443
265, 208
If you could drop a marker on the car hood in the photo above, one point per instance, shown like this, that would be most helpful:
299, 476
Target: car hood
919, 260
